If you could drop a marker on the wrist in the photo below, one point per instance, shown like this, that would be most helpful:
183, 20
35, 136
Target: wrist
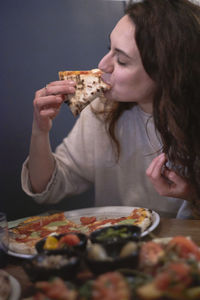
37, 131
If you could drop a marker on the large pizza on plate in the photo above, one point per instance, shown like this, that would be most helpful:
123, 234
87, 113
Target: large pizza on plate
24, 236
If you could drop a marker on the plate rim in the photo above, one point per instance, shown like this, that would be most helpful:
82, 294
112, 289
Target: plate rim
20, 255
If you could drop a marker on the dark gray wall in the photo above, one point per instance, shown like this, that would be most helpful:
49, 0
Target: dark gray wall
38, 38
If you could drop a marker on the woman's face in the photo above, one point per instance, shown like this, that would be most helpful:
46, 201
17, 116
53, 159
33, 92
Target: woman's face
123, 68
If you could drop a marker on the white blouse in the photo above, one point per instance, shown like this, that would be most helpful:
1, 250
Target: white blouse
86, 157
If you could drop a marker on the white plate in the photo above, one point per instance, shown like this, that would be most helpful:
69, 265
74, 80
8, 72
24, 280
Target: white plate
20, 255
15, 289
109, 212
100, 213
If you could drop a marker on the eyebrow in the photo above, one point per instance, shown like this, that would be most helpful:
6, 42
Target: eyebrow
119, 50
122, 52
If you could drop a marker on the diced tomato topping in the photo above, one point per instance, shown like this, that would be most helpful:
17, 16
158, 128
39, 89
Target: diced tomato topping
69, 239
110, 286
36, 225
176, 277
162, 281
44, 232
150, 254
56, 290
185, 247
87, 220
29, 228
115, 221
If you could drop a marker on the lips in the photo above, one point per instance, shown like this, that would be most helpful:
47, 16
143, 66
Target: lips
105, 78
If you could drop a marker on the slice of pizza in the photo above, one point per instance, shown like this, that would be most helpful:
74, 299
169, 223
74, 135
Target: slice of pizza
22, 238
38, 223
141, 217
89, 86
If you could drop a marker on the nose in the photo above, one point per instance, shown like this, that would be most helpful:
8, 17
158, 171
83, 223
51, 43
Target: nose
106, 63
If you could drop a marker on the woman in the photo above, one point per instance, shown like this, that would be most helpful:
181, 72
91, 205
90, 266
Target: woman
153, 69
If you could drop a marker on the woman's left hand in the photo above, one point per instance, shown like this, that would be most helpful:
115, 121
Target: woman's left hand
167, 182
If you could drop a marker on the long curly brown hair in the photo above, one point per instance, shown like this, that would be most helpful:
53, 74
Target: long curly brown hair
168, 38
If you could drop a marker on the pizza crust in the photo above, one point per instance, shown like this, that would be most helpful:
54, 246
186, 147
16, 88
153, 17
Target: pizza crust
147, 221
89, 86
22, 248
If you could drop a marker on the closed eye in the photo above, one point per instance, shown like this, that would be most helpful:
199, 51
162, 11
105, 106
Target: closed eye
118, 53
121, 63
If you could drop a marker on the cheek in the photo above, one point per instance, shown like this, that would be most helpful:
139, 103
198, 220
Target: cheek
122, 79
123, 82
131, 86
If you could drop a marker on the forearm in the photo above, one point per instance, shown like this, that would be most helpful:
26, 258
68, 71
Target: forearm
47, 103
41, 162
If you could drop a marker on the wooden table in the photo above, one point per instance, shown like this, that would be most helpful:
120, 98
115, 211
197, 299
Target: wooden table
166, 228
173, 227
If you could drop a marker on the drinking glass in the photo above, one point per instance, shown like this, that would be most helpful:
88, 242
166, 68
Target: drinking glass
3, 238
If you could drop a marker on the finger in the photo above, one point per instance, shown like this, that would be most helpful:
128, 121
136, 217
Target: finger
56, 87
62, 82
161, 185
40, 93
59, 89
172, 185
50, 113
151, 166
156, 165
47, 101
174, 178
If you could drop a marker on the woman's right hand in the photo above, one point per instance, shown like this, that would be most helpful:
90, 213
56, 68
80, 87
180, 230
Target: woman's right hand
47, 103
166, 182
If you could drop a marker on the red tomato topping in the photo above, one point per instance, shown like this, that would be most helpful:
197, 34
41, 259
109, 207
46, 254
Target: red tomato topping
177, 277
87, 220
185, 247
69, 239
150, 254
110, 286
44, 233
56, 290
162, 281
